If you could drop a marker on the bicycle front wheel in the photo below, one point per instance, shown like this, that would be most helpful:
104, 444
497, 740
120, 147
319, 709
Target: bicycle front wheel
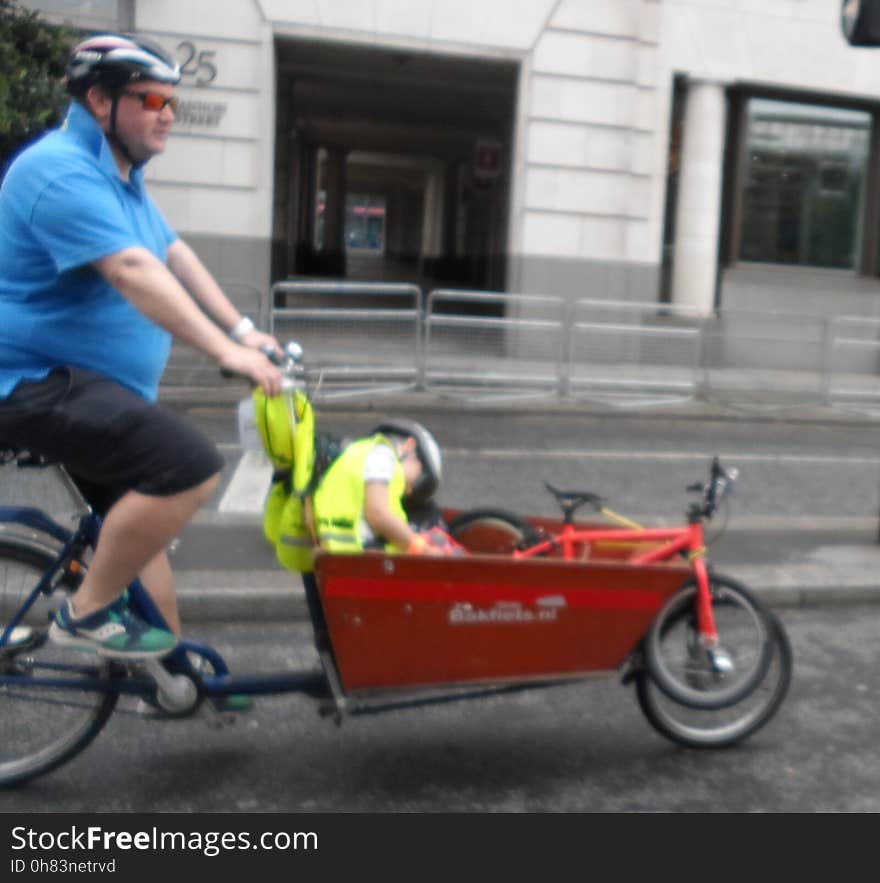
492, 531
702, 677
43, 726
721, 728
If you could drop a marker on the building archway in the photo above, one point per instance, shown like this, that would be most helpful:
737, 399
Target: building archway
420, 143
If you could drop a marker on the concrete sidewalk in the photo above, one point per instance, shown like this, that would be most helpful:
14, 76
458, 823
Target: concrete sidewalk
796, 567
787, 564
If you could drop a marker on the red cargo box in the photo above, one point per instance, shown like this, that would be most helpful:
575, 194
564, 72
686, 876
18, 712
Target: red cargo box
410, 621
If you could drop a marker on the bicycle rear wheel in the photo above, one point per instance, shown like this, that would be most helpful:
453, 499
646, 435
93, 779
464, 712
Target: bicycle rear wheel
699, 677
492, 531
41, 727
721, 728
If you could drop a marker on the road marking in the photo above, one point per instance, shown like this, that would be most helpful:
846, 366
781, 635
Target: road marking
617, 454
669, 456
247, 488
246, 491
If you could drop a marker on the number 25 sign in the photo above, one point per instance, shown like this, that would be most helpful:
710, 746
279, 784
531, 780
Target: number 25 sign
197, 65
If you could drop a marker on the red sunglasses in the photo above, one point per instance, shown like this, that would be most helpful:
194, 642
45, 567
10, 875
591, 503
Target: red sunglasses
155, 101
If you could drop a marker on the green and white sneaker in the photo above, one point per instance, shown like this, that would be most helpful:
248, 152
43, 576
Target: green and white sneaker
114, 631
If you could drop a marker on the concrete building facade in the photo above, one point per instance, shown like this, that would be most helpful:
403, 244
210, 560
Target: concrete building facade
712, 153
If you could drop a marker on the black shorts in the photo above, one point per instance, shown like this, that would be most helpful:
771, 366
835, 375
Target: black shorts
109, 439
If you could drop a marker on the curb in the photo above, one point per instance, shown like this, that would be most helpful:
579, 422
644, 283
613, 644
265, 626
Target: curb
263, 596
700, 408
254, 596
243, 605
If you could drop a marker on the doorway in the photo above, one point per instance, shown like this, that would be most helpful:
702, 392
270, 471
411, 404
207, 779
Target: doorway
392, 165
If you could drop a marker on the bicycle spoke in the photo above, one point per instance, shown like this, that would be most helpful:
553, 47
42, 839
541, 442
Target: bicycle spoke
42, 726
719, 728
701, 676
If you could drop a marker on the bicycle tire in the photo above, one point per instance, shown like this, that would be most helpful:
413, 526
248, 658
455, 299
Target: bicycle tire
680, 665
721, 728
492, 531
42, 728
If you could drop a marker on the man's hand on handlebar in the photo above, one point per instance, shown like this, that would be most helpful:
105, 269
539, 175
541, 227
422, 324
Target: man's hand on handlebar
259, 340
254, 365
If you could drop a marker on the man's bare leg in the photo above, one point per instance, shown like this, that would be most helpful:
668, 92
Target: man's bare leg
135, 533
158, 580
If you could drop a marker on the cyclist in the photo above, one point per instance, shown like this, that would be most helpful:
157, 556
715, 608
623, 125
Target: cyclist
359, 502
93, 284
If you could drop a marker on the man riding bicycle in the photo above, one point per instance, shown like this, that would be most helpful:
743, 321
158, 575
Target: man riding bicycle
93, 285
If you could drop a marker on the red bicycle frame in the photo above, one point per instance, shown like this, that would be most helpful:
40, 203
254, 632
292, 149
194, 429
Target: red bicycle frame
676, 540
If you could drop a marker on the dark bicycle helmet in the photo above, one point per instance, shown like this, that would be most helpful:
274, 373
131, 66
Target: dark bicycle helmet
114, 60
427, 450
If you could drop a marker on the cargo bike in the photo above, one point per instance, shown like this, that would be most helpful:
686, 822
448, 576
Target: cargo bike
532, 603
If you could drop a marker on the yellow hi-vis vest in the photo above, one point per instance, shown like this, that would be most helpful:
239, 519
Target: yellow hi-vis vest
339, 499
286, 425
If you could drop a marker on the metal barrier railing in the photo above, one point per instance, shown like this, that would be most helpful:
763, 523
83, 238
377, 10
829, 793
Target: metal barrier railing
362, 338
487, 345
366, 339
765, 358
853, 362
633, 353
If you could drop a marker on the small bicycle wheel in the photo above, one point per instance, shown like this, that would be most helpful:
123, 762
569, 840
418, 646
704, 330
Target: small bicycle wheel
690, 673
721, 728
41, 727
492, 531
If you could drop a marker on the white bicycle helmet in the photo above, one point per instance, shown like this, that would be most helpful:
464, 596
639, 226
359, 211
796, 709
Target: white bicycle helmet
427, 450
114, 60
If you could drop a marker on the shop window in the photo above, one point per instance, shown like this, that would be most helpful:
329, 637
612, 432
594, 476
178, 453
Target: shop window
804, 184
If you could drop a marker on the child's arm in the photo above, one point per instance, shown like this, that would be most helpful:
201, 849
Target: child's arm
386, 524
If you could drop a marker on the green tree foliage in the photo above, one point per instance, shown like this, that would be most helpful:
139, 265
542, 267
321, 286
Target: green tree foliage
33, 55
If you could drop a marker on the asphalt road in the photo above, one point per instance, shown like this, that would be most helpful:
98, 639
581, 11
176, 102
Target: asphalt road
641, 464
583, 747
576, 748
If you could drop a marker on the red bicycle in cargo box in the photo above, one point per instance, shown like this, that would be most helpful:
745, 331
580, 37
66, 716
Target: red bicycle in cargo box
534, 603
541, 601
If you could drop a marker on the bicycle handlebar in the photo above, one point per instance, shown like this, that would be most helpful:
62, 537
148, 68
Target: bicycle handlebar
290, 364
719, 485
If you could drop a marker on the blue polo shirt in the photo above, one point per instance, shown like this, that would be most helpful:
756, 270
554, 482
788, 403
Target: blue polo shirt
63, 206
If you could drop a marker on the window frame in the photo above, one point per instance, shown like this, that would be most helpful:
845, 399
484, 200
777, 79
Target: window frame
735, 164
